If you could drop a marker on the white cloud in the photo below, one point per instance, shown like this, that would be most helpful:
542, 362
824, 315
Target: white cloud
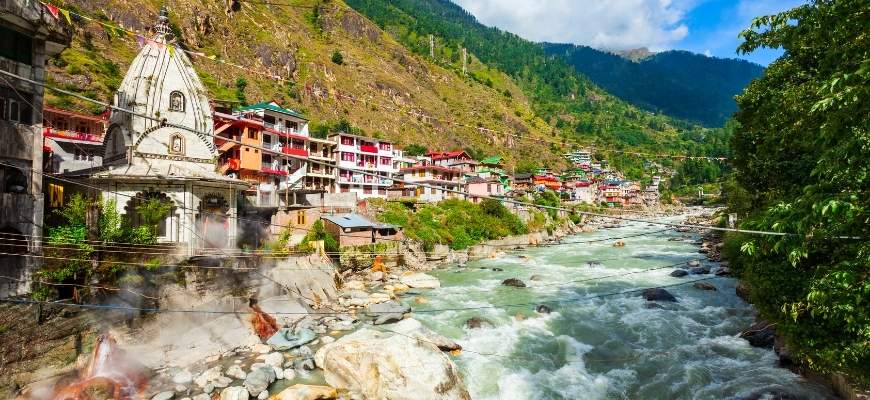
613, 24
708, 53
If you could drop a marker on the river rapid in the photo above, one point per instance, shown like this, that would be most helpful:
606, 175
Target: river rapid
611, 347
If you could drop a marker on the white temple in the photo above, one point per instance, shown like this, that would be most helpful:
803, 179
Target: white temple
147, 158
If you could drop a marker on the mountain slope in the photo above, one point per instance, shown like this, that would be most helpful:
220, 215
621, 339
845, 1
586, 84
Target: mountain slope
677, 83
400, 96
575, 106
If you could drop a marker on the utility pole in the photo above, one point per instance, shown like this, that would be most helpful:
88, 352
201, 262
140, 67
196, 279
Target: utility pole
431, 46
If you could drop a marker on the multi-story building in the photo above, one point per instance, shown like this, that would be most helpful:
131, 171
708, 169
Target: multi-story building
400, 161
358, 153
273, 152
321, 167
29, 36
454, 159
435, 177
72, 141
479, 188
579, 158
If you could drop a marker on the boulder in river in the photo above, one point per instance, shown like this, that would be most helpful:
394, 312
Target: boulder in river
420, 280
543, 309
235, 393
306, 392
387, 312
384, 365
760, 334
259, 379
536, 278
412, 327
723, 271
477, 322
658, 294
704, 286
285, 339
513, 282
700, 270
679, 273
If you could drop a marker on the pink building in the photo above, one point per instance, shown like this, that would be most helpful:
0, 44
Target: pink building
476, 186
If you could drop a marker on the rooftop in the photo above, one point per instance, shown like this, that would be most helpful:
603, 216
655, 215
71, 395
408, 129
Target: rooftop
272, 106
355, 221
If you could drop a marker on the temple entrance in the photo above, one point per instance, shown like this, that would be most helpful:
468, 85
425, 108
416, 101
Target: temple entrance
213, 222
154, 212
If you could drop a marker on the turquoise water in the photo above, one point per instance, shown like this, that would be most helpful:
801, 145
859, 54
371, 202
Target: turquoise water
603, 348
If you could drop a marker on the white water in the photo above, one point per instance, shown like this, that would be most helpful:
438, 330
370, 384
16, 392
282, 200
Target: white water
611, 347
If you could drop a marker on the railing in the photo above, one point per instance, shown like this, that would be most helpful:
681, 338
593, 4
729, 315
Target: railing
294, 151
273, 171
68, 134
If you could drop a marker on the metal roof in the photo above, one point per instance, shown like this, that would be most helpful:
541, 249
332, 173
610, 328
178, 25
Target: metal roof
355, 221
272, 107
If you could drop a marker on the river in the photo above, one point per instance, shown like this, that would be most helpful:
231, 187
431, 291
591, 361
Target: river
604, 347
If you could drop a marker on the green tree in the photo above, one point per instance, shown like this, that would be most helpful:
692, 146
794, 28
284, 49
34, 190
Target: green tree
337, 58
801, 154
241, 84
413, 150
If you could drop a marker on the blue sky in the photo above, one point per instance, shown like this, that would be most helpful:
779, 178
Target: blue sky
702, 26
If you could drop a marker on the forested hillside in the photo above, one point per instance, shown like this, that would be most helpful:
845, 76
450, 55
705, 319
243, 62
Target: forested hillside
678, 83
570, 102
801, 168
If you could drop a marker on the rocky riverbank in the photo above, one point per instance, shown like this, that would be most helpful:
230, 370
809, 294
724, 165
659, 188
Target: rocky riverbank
763, 333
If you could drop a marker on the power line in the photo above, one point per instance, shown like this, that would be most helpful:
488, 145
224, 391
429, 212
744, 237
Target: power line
366, 173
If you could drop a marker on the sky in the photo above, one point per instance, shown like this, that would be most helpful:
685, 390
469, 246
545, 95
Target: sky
702, 26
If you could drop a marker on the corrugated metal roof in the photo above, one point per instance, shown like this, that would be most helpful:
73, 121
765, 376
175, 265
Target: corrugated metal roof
272, 107
355, 221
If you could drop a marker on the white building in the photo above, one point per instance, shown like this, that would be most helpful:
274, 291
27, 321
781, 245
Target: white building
148, 159
434, 177
361, 153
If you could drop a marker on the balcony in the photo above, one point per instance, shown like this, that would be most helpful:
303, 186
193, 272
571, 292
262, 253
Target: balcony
67, 134
294, 151
273, 171
231, 164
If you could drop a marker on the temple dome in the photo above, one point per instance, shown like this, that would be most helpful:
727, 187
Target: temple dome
161, 83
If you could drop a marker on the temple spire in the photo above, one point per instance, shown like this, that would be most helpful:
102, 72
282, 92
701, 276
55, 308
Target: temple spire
162, 32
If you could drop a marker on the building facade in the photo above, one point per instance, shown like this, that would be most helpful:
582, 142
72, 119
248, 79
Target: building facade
373, 156
147, 159
72, 141
29, 36
440, 183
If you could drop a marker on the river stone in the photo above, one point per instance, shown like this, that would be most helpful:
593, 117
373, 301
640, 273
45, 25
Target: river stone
412, 327
383, 365
221, 382
497, 269
306, 392
263, 395
354, 285
700, 270
182, 377
208, 388
478, 322
513, 282
387, 312
420, 280
694, 263
723, 271
236, 371
678, 273
207, 376
704, 286
289, 374
274, 359
760, 334
202, 396
658, 294
305, 365
259, 379
543, 309
285, 339
234, 393
377, 276
167, 395
536, 278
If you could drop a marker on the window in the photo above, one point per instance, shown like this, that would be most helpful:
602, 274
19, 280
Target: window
367, 190
14, 111
176, 144
16, 46
176, 101
267, 139
15, 181
385, 146
267, 159
347, 141
382, 191
345, 188
421, 173
386, 161
345, 156
300, 218
252, 134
